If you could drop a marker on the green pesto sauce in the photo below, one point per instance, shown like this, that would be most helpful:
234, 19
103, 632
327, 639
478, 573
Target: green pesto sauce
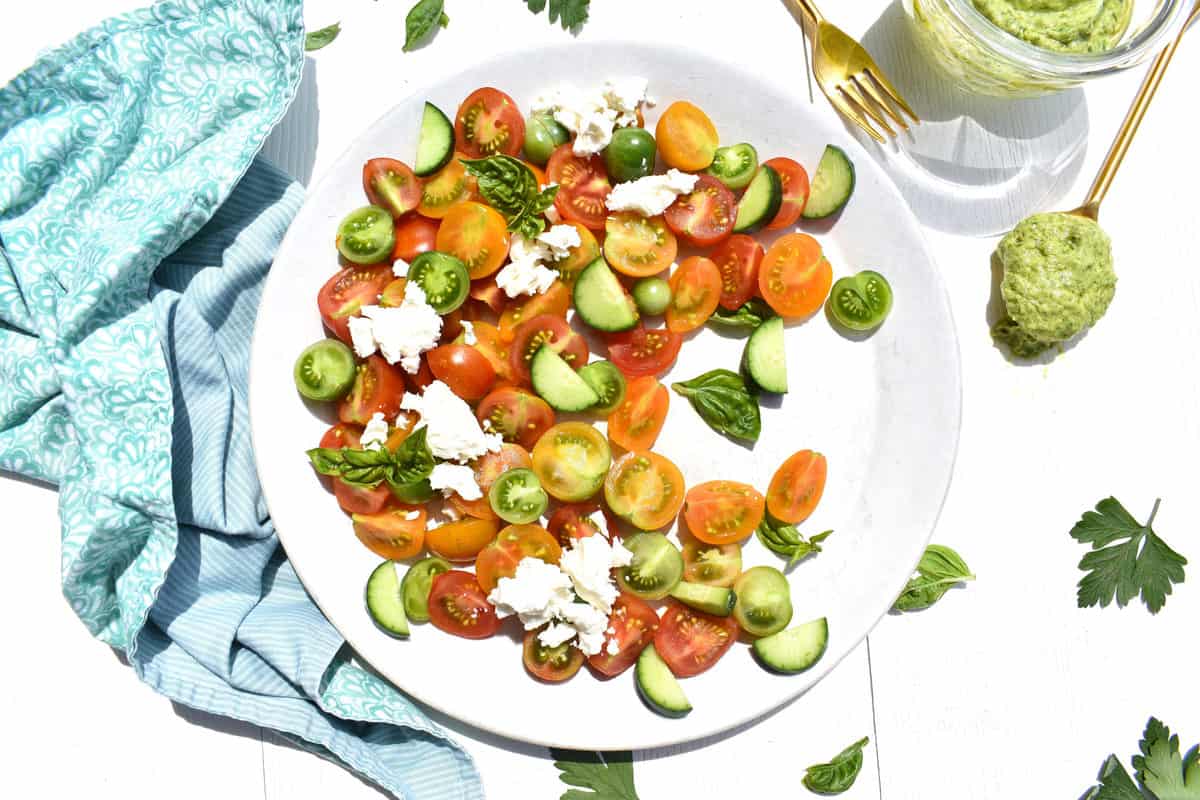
1067, 26
1058, 280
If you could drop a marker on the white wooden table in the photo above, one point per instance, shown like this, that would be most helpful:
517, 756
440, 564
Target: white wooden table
1003, 690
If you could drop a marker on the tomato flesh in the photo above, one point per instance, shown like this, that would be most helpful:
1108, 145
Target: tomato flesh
644, 352
794, 277
795, 192
414, 235
353, 499
378, 388
691, 641
346, 292
556, 300
391, 534
720, 512
463, 540
797, 486
489, 123
458, 605
695, 293
704, 216
463, 368
573, 521
391, 184
638, 246
737, 260
516, 414
686, 137
553, 664
644, 488
636, 423
583, 186
475, 234
545, 329
633, 623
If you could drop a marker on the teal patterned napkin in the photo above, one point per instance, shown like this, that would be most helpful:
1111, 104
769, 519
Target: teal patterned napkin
136, 228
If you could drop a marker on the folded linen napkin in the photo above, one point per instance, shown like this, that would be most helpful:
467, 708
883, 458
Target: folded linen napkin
136, 228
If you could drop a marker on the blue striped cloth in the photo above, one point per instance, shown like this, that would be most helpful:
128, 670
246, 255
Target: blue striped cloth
136, 228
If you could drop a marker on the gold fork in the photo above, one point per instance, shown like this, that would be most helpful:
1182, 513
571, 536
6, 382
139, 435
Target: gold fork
851, 79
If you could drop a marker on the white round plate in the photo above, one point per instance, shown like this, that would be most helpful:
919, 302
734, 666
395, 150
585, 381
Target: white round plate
884, 410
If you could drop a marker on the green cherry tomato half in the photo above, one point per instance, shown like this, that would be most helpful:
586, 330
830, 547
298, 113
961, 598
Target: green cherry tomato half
764, 601
630, 154
543, 134
414, 589
517, 496
366, 235
861, 302
734, 165
444, 279
656, 568
652, 295
325, 370
608, 382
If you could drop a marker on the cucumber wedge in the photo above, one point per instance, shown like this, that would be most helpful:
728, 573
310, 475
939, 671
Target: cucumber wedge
435, 147
761, 202
832, 184
385, 601
558, 384
795, 649
716, 600
601, 301
764, 360
658, 687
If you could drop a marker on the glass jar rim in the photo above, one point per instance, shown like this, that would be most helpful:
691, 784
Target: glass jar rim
1167, 18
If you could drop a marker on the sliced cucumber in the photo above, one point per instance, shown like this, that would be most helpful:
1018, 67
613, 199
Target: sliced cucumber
795, 649
832, 185
601, 301
715, 600
761, 202
608, 382
435, 147
764, 360
558, 384
385, 601
658, 687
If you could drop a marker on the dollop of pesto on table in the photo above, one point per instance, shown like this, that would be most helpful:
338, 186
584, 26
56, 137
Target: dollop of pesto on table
1058, 280
1068, 26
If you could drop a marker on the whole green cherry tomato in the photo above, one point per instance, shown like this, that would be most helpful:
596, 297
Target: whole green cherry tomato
652, 295
630, 154
543, 134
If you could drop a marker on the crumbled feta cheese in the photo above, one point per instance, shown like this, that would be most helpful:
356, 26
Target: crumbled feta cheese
469, 336
535, 593
613, 647
410, 516
560, 239
375, 433
453, 432
441, 513
525, 273
553, 215
591, 114
650, 196
400, 268
624, 95
456, 479
401, 333
589, 562
589, 623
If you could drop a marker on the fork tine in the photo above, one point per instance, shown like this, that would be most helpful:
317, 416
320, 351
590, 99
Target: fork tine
846, 110
867, 87
874, 74
851, 91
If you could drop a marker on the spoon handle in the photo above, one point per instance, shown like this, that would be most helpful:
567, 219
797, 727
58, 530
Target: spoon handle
1120, 145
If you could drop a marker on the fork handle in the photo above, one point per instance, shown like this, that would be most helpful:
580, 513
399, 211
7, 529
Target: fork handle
810, 8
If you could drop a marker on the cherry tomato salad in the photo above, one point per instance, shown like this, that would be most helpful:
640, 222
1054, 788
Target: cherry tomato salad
456, 323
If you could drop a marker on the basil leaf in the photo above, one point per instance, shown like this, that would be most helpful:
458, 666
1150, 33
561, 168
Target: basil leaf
839, 774
320, 38
785, 540
326, 461
752, 314
412, 461
511, 188
722, 400
938, 571
421, 21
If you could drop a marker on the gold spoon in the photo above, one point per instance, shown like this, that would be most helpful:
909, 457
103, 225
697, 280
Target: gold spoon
1108, 170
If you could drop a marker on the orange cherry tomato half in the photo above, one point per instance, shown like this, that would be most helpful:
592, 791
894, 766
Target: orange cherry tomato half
378, 387
488, 469
459, 606
545, 329
797, 486
583, 186
720, 512
464, 369
645, 489
391, 534
391, 184
572, 521
487, 123
704, 216
737, 259
494, 349
636, 423
346, 292
695, 293
555, 300
444, 188
638, 246
795, 192
644, 352
500, 558
578, 257
516, 414
631, 626
686, 137
487, 292
392, 295
414, 235
461, 541
691, 641
477, 235
794, 277
552, 664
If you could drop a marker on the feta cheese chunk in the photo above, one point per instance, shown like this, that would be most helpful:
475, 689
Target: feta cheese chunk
375, 433
560, 239
362, 337
589, 562
400, 333
591, 114
469, 336
589, 623
624, 95
534, 593
650, 196
453, 432
526, 273
400, 268
455, 479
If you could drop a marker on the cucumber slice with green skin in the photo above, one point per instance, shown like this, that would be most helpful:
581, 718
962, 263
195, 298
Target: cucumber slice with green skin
832, 184
761, 202
558, 384
795, 649
601, 301
609, 384
435, 147
734, 165
414, 589
656, 568
658, 687
385, 601
714, 600
764, 360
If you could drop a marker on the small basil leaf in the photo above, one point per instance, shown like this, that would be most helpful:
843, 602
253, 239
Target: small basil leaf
722, 400
327, 461
748, 317
412, 461
839, 774
421, 21
785, 540
939, 569
315, 40
511, 188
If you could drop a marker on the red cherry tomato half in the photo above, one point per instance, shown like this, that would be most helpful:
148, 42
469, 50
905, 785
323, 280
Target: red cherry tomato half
517, 415
457, 605
737, 259
378, 387
705, 215
553, 664
546, 329
487, 123
414, 235
346, 292
488, 469
391, 184
573, 521
463, 368
583, 186
691, 641
795, 192
644, 352
633, 623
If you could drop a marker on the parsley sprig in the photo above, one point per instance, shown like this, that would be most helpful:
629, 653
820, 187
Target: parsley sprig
1141, 564
511, 188
1162, 771
571, 14
598, 776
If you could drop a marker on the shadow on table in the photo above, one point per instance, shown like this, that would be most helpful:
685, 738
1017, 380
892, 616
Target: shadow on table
976, 165
292, 146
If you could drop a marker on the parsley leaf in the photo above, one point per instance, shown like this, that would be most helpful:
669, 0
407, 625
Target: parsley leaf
315, 40
1143, 563
511, 188
1162, 770
604, 776
939, 569
1115, 783
571, 14
411, 462
785, 540
422, 20
839, 774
